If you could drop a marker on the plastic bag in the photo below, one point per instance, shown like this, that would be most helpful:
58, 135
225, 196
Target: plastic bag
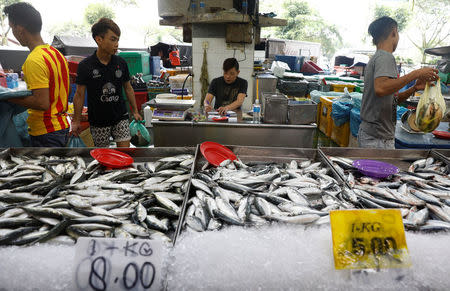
140, 137
357, 100
340, 112
75, 142
355, 121
431, 108
400, 111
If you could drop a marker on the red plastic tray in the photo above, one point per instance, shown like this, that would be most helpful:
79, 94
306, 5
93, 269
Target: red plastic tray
112, 158
441, 134
216, 153
220, 119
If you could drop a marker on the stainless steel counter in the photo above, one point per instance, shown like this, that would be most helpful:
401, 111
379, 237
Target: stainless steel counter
187, 133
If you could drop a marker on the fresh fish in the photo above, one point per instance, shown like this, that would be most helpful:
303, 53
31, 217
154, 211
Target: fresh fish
195, 223
425, 197
140, 213
226, 212
439, 212
199, 184
417, 217
214, 224
299, 219
15, 234
435, 225
135, 229
167, 203
154, 223
263, 206
297, 197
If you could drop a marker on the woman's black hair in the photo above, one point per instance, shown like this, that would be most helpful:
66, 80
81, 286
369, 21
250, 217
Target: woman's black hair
381, 28
25, 15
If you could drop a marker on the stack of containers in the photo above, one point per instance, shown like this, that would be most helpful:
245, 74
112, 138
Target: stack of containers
294, 88
138, 63
176, 85
338, 133
325, 120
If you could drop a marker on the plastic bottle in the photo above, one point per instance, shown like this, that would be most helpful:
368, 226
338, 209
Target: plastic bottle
148, 115
244, 7
202, 7
256, 112
193, 8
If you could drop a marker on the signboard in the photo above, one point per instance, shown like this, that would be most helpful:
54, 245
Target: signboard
369, 239
118, 264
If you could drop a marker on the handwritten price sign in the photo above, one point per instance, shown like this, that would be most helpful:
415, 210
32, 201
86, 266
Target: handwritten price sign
118, 264
369, 239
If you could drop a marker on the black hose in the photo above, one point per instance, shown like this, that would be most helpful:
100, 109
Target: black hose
184, 83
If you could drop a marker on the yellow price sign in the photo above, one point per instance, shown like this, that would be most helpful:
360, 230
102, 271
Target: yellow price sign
369, 239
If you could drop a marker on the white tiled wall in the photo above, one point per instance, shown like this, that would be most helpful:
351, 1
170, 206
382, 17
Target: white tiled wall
217, 52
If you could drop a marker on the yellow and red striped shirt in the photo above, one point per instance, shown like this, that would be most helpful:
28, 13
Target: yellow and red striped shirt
46, 67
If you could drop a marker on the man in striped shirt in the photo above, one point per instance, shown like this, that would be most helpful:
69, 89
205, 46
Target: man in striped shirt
47, 76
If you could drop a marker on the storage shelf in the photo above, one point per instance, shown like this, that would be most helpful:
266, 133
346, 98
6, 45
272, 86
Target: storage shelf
210, 18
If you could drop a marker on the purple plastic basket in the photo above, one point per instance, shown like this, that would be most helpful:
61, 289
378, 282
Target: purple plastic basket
375, 169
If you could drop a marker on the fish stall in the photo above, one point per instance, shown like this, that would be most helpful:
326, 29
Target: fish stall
259, 222
235, 129
62, 194
185, 133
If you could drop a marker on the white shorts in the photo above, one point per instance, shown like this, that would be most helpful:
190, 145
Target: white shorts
120, 132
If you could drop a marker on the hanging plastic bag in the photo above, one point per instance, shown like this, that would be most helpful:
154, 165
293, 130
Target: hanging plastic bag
430, 109
355, 121
340, 111
75, 142
140, 137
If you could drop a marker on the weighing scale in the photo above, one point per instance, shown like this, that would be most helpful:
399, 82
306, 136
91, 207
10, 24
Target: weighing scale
170, 109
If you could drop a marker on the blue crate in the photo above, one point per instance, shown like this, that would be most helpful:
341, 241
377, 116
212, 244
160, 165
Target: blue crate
74, 90
294, 63
155, 66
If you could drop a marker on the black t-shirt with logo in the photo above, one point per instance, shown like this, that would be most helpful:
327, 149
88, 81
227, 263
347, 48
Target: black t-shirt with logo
224, 93
104, 83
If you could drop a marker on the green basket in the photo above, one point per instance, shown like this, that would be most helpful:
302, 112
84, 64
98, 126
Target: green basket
138, 62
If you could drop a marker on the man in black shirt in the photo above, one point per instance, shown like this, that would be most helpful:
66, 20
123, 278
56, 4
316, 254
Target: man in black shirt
104, 75
229, 90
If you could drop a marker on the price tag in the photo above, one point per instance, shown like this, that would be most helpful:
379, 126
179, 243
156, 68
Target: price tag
118, 264
369, 239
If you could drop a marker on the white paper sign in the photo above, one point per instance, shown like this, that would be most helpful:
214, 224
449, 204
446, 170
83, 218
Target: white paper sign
118, 264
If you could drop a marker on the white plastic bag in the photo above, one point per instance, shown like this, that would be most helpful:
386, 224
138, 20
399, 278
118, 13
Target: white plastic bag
431, 108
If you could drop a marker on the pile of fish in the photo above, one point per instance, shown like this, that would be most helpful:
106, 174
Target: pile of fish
303, 192
254, 194
54, 199
422, 193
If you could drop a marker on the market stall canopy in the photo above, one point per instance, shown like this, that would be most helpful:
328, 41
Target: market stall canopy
13, 57
444, 64
351, 60
166, 43
285, 47
80, 46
